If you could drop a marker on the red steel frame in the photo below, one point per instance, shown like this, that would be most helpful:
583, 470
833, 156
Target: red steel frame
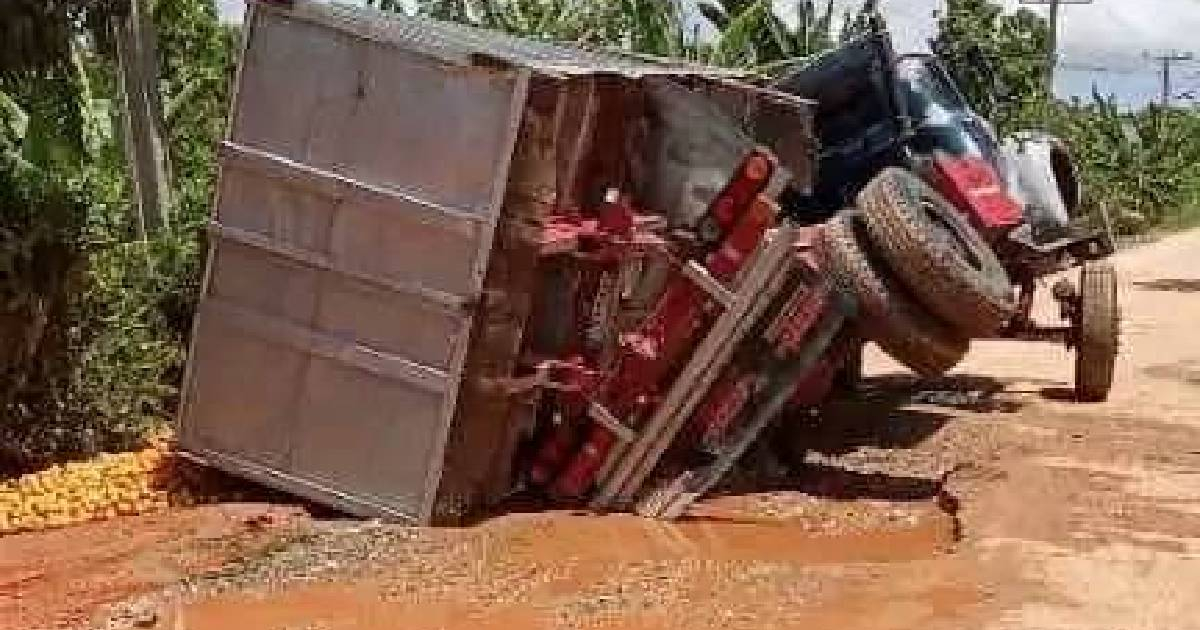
648, 357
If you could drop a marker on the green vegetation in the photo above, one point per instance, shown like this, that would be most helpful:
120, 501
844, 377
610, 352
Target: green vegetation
94, 317
652, 27
1142, 166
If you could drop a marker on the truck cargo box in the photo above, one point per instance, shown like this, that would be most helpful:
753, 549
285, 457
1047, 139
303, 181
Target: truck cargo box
378, 226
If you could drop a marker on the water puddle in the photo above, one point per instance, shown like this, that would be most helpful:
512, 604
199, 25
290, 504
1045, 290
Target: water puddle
719, 537
615, 571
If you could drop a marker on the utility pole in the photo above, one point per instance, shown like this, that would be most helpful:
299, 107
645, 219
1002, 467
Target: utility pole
1166, 59
145, 136
1052, 53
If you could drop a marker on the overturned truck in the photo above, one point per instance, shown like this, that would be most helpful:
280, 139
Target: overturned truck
447, 266
446, 263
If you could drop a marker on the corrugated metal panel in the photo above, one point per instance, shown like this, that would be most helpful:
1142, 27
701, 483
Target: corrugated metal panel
461, 44
353, 227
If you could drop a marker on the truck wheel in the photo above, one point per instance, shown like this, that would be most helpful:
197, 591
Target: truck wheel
934, 250
1098, 332
886, 315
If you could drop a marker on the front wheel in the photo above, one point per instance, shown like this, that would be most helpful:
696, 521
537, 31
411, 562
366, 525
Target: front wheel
1098, 331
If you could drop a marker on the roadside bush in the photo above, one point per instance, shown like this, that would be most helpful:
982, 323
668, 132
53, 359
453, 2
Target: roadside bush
1143, 166
89, 357
94, 320
41, 224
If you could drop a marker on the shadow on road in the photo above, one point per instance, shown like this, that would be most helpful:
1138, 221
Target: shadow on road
1058, 394
1187, 372
959, 392
833, 482
847, 425
891, 412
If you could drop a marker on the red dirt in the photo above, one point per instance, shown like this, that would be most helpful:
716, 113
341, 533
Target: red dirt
62, 578
1071, 516
611, 569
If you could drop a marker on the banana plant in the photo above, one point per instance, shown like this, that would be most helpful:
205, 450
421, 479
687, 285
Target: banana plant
653, 27
643, 26
49, 123
754, 34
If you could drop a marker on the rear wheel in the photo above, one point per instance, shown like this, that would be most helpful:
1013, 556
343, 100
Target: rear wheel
887, 315
932, 248
1098, 329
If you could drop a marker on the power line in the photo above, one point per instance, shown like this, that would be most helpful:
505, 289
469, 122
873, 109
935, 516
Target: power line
1052, 53
1166, 59
1084, 67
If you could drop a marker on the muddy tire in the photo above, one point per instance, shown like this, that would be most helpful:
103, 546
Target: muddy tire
1099, 332
886, 314
936, 253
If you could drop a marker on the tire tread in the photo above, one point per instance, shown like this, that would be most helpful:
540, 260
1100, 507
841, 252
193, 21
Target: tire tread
1099, 332
977, 301
887, 316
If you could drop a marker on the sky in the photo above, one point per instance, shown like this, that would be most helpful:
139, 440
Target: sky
1102, 43
1108, 38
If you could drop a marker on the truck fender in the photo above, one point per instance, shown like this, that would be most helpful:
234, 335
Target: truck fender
1041, 174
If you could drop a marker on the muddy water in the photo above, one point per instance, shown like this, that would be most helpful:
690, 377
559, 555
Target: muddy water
719, 537
617, 571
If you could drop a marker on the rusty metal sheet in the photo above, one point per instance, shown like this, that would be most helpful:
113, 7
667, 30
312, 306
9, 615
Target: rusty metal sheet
359, 194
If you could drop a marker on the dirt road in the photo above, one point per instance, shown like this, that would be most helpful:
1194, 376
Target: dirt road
1099, 516
984, 500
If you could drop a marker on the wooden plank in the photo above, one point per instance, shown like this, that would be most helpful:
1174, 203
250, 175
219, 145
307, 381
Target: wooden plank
713, 287
605, 418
